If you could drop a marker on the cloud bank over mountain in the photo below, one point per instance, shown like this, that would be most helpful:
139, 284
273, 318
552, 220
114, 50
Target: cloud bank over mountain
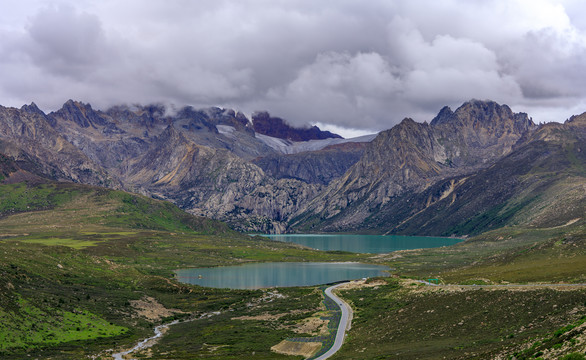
352, 64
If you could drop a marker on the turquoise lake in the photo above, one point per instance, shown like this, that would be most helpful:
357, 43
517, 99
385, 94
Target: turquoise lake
371, 244
264, 275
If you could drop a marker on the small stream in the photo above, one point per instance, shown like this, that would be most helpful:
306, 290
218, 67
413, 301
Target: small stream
159, 331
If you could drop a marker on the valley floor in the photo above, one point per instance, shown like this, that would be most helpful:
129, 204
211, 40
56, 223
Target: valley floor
93, 271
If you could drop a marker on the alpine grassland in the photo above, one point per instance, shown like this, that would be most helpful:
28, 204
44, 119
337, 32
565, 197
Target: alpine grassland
87, 271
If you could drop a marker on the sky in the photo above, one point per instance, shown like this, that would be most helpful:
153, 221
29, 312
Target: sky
351, 66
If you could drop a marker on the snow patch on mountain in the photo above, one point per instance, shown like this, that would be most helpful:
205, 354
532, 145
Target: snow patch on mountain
293, 147
227, 131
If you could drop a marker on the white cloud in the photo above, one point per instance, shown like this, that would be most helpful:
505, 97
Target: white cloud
63, 41
362, 65
348, 90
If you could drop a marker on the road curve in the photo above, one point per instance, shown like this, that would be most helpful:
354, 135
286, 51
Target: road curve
344, 319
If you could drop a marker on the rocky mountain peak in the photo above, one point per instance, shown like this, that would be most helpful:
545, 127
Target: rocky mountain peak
144, 116
236, 119
264, 124
483, 106
194, 120
491, 114
483, 122
408, 122
472, 112
443, 116
171, 135
81, 114
33, 109
411, 155
577, 120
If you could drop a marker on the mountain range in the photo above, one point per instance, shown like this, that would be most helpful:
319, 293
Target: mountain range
477, 168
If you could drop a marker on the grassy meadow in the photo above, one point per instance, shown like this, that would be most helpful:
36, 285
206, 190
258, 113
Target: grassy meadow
86, 270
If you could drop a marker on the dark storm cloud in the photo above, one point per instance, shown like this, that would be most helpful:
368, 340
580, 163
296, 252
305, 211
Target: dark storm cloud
354, 64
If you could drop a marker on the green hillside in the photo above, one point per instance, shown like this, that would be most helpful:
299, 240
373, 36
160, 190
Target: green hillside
74, 260
86, 269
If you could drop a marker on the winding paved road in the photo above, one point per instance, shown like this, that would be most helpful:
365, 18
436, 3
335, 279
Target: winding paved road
344, 319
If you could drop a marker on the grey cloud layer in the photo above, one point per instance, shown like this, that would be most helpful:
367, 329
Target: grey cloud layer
355, 64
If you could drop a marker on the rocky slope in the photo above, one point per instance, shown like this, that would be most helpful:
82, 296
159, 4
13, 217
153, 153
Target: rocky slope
214, 183
476, 168
197, 159
313, 167
184, 158
541, 183
27, 134
412, 156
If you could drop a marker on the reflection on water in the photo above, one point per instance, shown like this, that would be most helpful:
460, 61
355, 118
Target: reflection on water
372, 244
262, 275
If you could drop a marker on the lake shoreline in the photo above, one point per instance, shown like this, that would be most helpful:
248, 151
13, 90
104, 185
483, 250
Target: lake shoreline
363, 244
279, 274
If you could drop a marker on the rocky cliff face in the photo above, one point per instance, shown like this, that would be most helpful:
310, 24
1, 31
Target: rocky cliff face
478, 132
198, 178
214, 183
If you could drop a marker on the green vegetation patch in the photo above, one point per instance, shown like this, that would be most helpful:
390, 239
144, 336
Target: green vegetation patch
28, 326
466, 324
246, 329
516, 255
72, 243
75, 260
562, 337
22, 197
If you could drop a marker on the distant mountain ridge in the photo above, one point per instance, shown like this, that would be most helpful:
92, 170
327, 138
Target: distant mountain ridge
468, 171
411, 156
181, 156
213, 162
264, 124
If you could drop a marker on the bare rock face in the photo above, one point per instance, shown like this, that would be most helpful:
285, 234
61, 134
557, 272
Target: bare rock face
478, 132
81, 114
31, 135
214, 183
196, 177
268, 207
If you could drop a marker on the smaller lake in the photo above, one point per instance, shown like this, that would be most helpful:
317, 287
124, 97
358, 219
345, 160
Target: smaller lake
366, 244
264, 275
